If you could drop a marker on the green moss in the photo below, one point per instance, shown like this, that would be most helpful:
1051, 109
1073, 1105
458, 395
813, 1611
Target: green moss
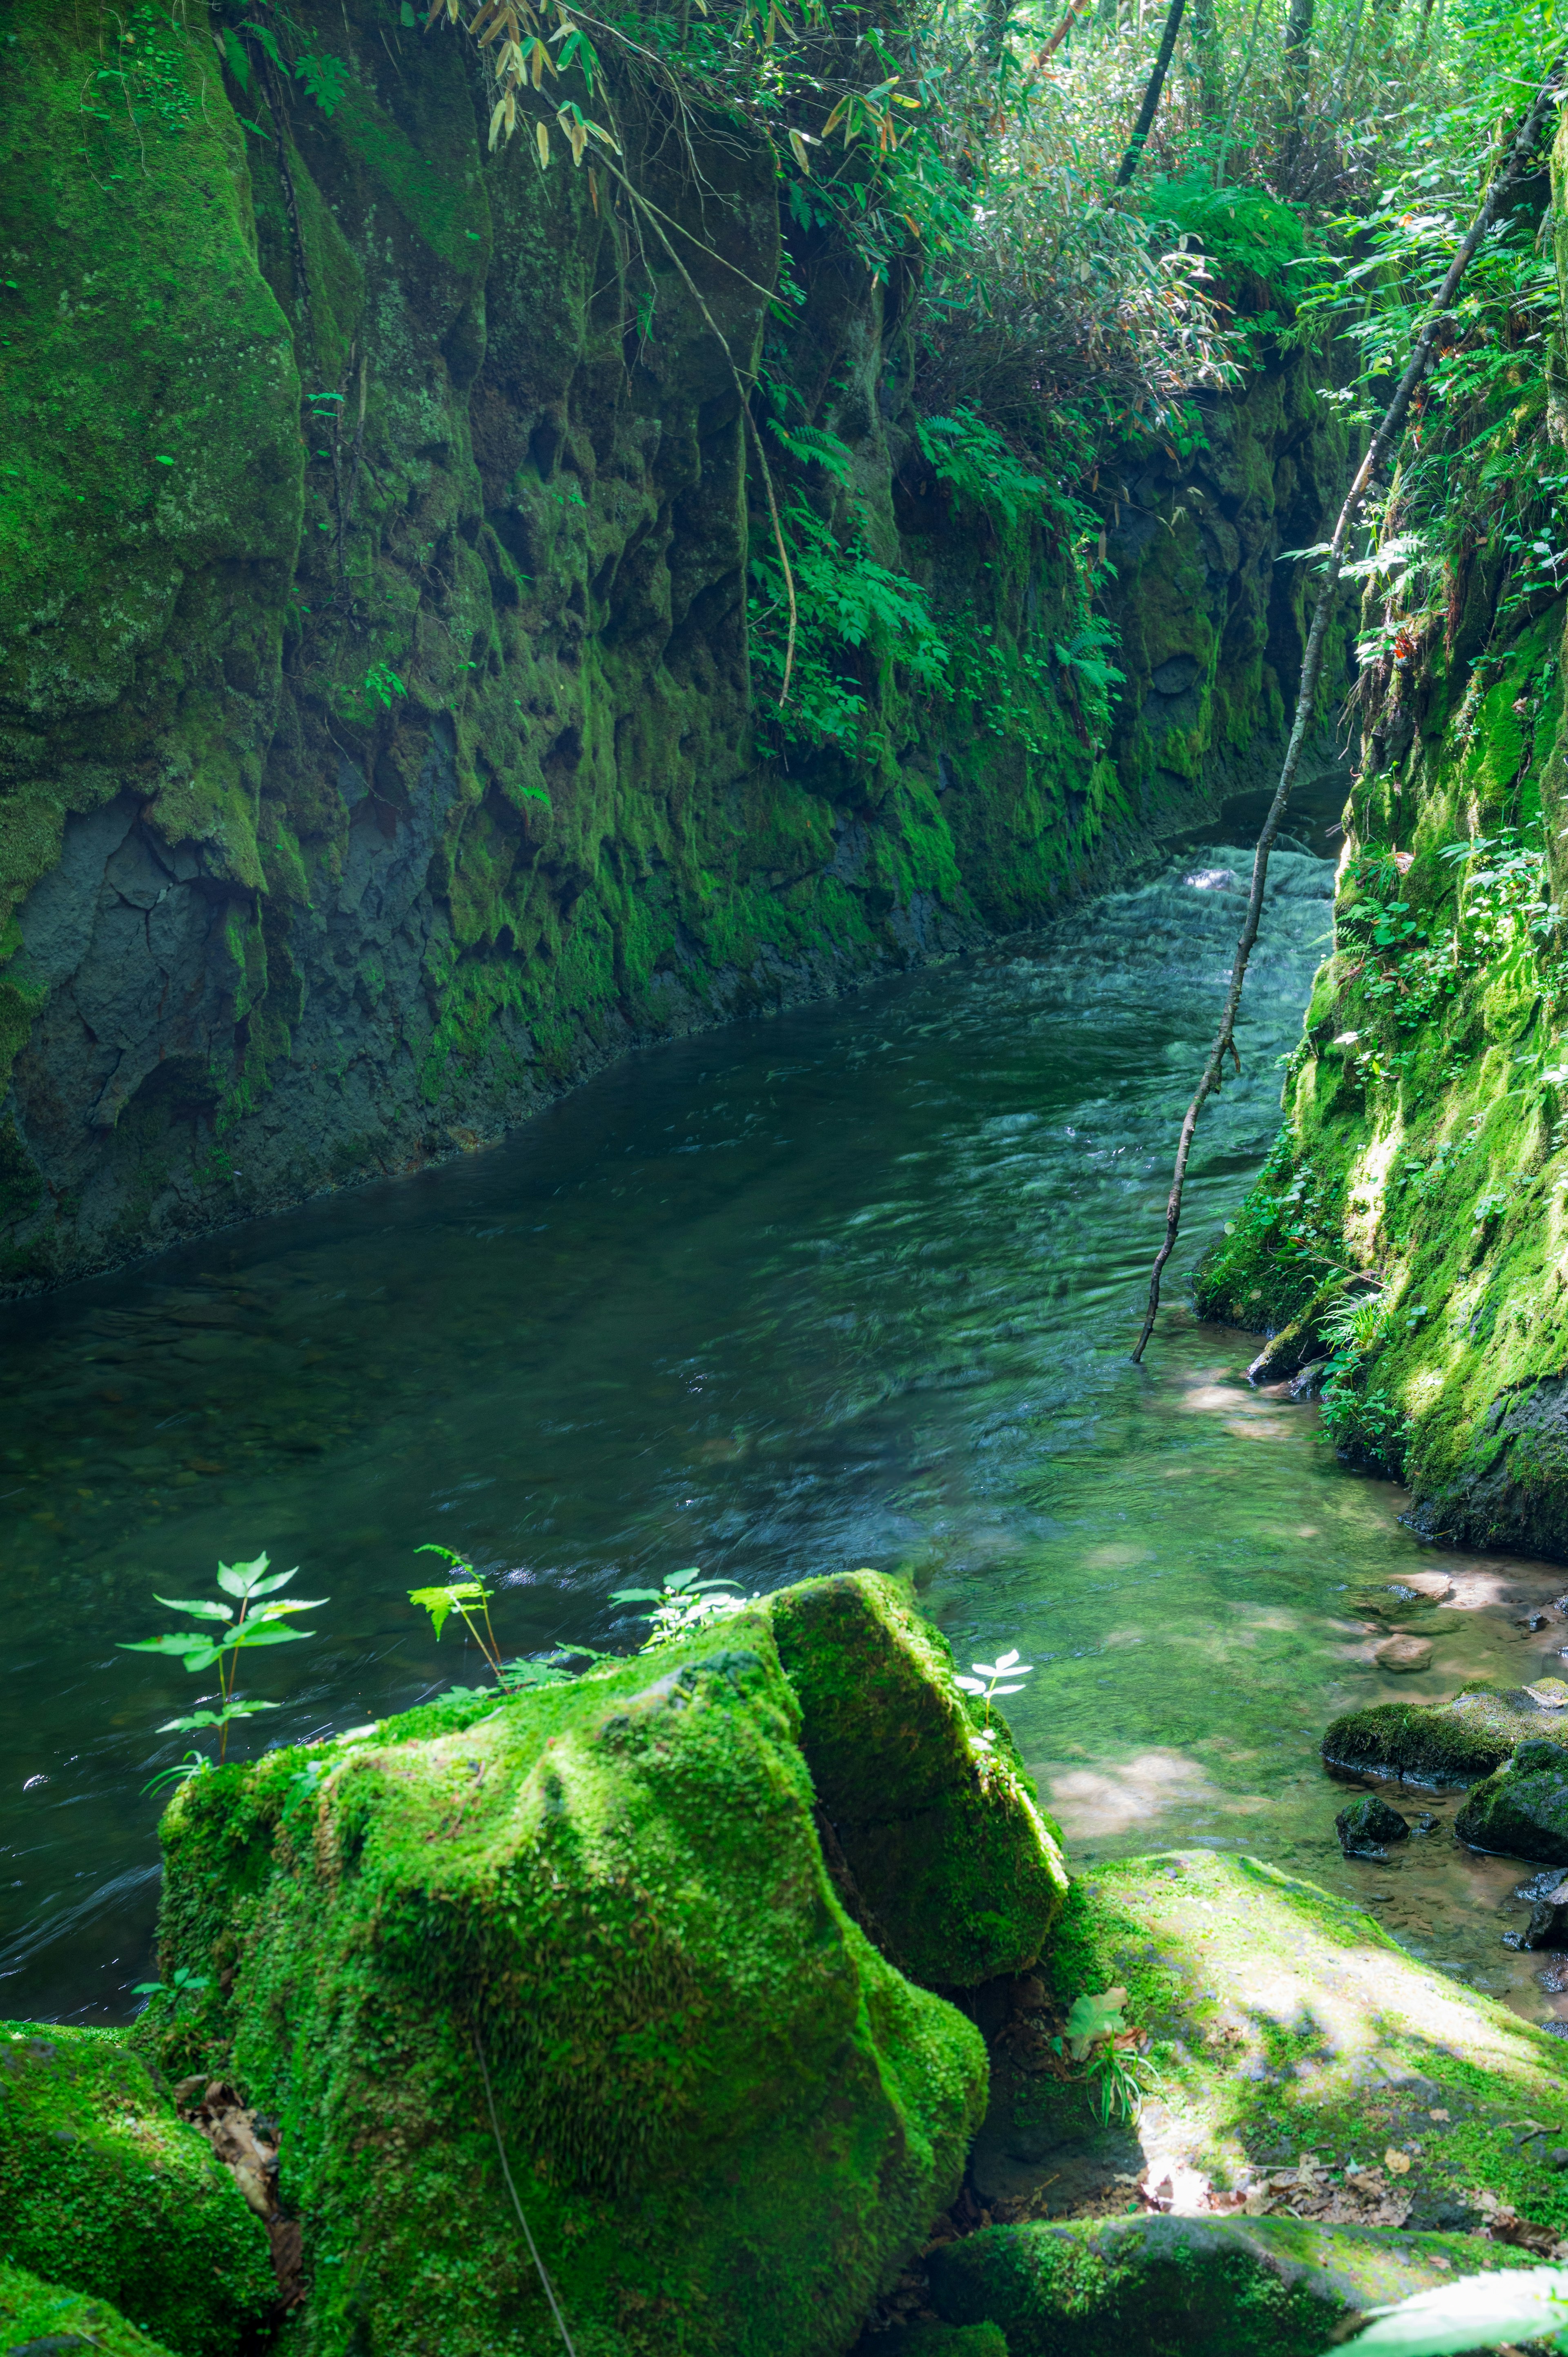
48, 2316
951, 1858
728, 2115
1454, 1742
103, 2186
1285, 2020
1191, 2286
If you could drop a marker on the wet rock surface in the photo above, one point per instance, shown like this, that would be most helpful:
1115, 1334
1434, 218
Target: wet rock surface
1521, 1810
1367, 1827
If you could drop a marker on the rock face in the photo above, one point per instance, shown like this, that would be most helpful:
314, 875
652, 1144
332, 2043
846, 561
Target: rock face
103, 2186
1523, 1809
380, 747
957, 1877
1442, 1743
729, 2117
1462, 1390
1190, 2287
1367, 1826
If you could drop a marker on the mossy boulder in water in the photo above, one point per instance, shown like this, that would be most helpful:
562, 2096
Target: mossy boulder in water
1521, 1810
959, 1876
729, 2119
48, 2320
1453, 1742
1210, 2287
103, 2187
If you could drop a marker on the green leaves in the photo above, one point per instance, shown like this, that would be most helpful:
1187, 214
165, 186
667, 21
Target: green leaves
685, 1602
1092, 2019
442, 1603
257, 1616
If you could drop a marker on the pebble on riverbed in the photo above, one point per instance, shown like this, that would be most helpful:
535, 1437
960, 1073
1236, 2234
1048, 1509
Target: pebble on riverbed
1367, 1826
1402, 1654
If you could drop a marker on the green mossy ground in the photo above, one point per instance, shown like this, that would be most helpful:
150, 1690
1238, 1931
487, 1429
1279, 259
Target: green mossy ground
731, 2119
1283, 2020
1454, 1742
35, 2315
103, 2186
1191, 2286
958, 1874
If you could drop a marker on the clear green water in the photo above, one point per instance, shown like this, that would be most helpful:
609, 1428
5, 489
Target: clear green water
855, 1286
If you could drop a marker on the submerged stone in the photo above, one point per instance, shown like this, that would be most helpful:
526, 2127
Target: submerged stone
1367, 1826
49, 2320
103, 2187
957, 1873
1453, 1742
729, 2119
1521, 1810
1190, 2287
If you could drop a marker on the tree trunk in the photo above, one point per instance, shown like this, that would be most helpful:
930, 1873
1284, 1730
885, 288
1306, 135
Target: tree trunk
1150, 107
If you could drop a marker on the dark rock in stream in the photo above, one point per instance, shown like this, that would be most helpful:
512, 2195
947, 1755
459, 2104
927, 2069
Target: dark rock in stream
1367, 1826
1522, 1809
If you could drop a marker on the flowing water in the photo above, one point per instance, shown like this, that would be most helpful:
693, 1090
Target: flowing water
853, 1286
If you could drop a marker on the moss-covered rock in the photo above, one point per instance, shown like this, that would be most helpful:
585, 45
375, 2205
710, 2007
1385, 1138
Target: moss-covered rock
1523, 1809
1190, 2287
1282, 2020
1454, 1742
729, 2118
936, 1819
103, 2187
47, 2319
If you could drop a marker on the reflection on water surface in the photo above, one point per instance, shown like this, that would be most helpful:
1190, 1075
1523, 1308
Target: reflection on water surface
853, 1286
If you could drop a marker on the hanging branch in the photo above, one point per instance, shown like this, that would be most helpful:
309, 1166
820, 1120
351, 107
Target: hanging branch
1156, 83
1381, 446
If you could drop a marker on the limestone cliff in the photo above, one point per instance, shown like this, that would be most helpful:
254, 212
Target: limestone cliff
378, 744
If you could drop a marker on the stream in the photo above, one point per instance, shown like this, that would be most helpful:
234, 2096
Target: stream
855, 1285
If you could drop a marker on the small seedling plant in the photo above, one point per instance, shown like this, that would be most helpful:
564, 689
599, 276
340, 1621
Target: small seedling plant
468, 1596
185, 1983
988, 1681
1099, 2036
684, 1603
253, 1614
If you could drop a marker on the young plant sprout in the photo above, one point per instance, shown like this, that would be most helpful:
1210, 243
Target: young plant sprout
683, 1604
463, 1596
185, 1983
1098, 2036
247, 1622
987, 1682
469, 1597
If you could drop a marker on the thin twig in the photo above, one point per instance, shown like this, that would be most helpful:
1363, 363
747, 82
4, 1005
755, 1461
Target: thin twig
521, 2218
1382, 445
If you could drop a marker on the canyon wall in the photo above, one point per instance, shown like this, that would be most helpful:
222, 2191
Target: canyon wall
380, 747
